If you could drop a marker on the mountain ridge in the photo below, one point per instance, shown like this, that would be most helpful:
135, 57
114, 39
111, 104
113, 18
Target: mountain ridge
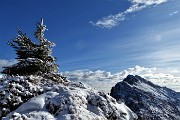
147, 100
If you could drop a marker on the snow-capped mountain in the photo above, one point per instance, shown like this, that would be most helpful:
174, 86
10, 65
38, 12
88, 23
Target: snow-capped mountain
65, 101
147, 100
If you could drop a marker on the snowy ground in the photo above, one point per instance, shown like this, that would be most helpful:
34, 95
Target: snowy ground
71, 101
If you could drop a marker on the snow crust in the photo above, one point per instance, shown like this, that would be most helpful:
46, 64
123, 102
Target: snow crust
71, 101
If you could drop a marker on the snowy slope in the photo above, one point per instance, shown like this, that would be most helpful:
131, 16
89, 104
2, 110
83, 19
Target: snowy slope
147, 100
71, 101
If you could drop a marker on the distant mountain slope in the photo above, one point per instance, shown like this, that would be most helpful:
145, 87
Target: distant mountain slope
70, 101
147, 100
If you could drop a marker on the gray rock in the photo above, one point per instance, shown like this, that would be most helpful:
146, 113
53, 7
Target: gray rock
147, 100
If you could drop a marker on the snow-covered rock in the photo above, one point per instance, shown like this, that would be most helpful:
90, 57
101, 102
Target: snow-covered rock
147, 100
14, 91
73, 101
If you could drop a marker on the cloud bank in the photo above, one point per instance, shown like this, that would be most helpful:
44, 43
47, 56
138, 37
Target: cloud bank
4, 62
102, 80
136, 5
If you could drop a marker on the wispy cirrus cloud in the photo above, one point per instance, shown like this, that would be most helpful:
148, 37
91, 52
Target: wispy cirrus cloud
173, 13
168, 57
136, 5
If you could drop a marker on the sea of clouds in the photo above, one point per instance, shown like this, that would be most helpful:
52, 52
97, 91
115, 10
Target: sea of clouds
104, 81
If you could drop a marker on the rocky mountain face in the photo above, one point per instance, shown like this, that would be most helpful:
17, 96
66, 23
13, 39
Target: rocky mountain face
147, 100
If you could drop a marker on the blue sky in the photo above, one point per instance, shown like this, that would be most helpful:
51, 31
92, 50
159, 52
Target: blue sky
110, 35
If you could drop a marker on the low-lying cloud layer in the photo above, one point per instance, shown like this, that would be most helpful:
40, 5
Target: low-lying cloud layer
4, 62
105, 80
136, 5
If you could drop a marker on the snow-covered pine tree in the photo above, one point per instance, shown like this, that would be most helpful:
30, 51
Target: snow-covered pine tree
23, 46
33, 58
44, 51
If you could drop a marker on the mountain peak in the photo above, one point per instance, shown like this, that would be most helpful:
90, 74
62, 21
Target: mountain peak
147, 100
131, 79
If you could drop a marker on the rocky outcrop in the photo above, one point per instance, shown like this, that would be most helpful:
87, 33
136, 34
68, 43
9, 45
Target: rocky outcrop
147, 100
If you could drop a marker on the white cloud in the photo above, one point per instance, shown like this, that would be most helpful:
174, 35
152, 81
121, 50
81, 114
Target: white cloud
87, 75
4, 62
105, 80
148, 2
136, 5
109, 21
173, 13
134, 8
